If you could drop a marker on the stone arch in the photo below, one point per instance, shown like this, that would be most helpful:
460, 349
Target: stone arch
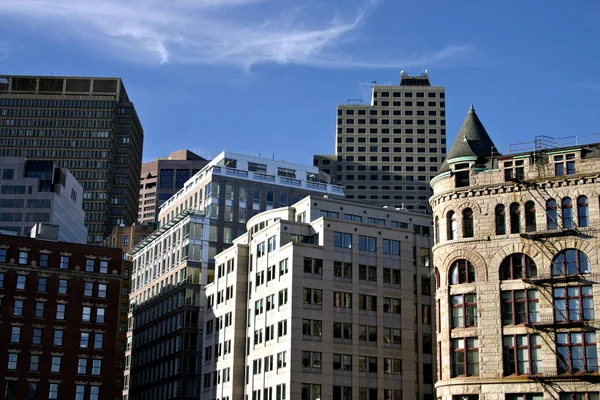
579, 244
469, 204
527, 248
481, 268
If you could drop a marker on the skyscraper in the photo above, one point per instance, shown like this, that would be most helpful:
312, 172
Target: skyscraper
516, 267
88, 125
388, 151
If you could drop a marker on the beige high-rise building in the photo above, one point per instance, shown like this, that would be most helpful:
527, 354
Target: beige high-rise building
388, 151
326, 299
516, 265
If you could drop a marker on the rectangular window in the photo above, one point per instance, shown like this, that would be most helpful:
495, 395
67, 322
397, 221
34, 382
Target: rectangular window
86, 315
367, 333
84, 341
104, 267
55, 366
310, 392
342, 300
312, 296
42, 284
60, 311
23, 257
342, 362
44, 260
40, 309
102, 290
96, 367
58, 337
392, 366
465, 357
342, 331
34, 362
391, 305
391, 247
36, 337
13, 359
522, 354
62, 286
367, 302
21, 281
367, 273
15, 334
312, 327
573, 303
464, 310
577, 352
88, 289
313, 266
89, 265
53, 391
342, 270
367, 243
18, 309
100, 312
311, 359
343, 240
520, 307
392, 335
64, 262
367, 364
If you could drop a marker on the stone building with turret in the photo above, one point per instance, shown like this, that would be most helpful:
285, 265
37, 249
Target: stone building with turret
517, 268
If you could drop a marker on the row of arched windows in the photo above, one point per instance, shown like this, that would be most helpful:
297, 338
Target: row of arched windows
565, 220
519, 266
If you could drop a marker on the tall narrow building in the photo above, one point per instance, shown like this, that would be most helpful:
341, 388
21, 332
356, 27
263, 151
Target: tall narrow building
516, 266
88, 125
387, 152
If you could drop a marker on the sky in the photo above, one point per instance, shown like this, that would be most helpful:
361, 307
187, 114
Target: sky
264, 77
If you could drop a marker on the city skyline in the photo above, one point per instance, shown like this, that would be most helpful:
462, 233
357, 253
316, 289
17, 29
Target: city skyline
311, 58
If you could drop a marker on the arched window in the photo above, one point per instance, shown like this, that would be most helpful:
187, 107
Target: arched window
462, 271
451, 224
551, 215
517, 266
468, 223
530, 217
500, 219
583, 217
515, 221
570, 262
567, 213
437, 229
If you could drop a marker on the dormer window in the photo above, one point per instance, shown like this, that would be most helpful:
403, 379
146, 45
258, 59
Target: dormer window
514, 170
461, 175
564, 164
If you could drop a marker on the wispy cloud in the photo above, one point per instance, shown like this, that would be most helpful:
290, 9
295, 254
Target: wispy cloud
238, 33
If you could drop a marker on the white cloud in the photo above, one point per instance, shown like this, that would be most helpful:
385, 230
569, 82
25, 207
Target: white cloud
237, 33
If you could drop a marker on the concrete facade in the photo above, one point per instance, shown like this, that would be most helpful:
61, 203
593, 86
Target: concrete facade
388, 151
38, 191
325, 299
88, 125
516, 261
127, 237
162, 178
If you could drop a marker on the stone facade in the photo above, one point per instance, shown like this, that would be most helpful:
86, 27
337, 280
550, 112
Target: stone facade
470, 224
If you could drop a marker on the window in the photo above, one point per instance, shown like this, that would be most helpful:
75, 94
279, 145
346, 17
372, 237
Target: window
58, 337
64, 262
468, 223
342, 393
42, 284
311, 359
84, 341
104, 267
21, 280
564, 164
573, 396
367, 333
367, 243
88, 289
15, 334
570, 262
391, 305
367, 273
36, 337
391, 247
342, 331
464, 310
283, 267
583, 217
342, 270
62, 286
55, 366
530, 223
98, 340
392, 366
96, 367
313, 266
520, 307
126, 240
522, 354
392, 335
312, 327
34, 362
23, 257
100, 312
310, 392
517, 266
10, 389
44, 260
40, 309
342, 300
89, 265
462, 271
86, 315
79, 392
573, 303
465, 357
18, 309
312, 296
280, 393
515, 221
343, 240
367, 302
451, 225
367, 364
94, 392
342, 362
53, 391
60, 311
2, 255
272, 244
281, 360
551, 214
392, 276
577, 352
567, 213
102, 290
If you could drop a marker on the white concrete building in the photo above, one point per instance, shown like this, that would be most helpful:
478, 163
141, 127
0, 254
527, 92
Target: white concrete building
33, 191
325, 299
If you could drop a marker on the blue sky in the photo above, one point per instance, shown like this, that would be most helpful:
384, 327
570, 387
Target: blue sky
265, 76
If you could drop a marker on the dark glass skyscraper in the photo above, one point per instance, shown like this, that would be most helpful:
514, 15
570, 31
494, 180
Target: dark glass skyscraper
87, 125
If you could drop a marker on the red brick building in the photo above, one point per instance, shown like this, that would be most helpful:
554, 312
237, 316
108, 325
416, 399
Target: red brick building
62, 313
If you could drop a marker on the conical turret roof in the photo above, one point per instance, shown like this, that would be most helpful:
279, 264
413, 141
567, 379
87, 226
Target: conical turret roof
472, 140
